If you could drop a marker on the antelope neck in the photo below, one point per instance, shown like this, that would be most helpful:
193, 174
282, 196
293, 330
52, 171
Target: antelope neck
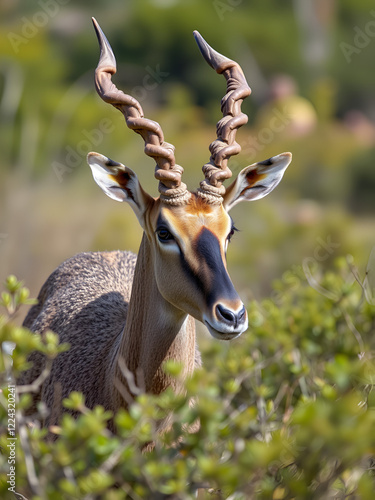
155, 331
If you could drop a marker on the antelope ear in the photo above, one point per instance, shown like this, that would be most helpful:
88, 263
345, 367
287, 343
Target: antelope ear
257, 180
119, 183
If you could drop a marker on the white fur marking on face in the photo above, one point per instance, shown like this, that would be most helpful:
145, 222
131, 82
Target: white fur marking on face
170, 247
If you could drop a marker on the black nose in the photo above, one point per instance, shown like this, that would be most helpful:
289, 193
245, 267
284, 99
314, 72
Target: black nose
229, 317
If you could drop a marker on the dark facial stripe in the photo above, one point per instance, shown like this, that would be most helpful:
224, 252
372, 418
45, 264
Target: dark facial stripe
213, 278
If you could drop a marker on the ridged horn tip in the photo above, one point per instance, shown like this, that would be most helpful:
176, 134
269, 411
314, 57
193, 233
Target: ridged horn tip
216, 60
107, 57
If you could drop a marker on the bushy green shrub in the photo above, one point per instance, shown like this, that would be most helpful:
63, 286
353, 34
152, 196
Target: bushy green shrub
286, 412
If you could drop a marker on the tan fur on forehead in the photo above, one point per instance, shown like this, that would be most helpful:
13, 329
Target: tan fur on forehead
197, 204
189, 219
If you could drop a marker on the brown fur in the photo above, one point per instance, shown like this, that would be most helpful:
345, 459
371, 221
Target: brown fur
86, 301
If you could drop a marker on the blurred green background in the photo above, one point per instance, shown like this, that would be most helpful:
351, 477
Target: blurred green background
310, 64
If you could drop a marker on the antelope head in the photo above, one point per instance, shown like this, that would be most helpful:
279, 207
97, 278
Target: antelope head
188, 232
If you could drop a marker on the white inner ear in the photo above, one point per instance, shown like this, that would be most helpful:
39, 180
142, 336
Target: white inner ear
270, 172
111, 189
104, 171
119, 183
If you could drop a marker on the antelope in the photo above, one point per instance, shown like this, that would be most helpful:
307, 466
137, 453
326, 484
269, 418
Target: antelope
124, 315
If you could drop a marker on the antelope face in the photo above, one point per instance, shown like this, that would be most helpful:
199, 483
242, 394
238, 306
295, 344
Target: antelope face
188, 232
190, 244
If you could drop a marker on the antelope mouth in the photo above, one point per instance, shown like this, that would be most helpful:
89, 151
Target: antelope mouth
224, 334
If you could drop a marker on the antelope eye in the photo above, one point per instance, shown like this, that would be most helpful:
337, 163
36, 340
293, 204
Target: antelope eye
164, 235
232, 231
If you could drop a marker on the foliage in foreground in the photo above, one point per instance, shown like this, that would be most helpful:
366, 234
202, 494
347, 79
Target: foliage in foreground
286, 412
